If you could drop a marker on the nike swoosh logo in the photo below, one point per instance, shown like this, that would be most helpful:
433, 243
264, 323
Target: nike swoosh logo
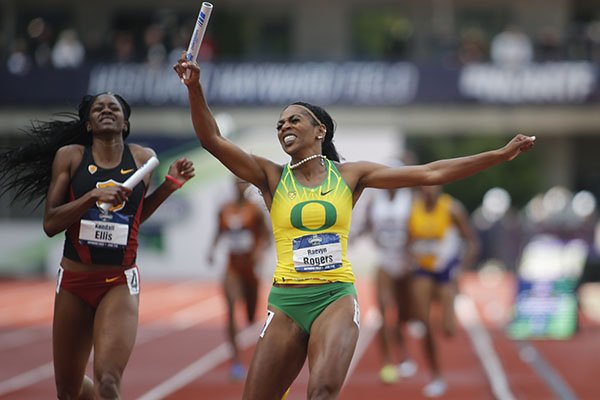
126, 171
109, 280
327, 192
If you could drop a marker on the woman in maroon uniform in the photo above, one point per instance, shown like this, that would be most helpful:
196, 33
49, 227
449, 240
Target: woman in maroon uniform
79, 164
242, 224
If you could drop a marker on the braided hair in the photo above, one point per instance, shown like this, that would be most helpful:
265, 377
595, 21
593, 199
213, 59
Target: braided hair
27, 169
328, 148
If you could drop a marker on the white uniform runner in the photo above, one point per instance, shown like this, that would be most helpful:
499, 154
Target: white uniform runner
389, 218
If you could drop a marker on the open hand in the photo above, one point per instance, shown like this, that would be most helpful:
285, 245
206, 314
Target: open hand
182, 170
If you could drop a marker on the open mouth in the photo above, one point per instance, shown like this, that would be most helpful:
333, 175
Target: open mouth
289, 139
107, 118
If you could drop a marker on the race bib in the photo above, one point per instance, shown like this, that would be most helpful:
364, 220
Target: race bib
133, 280
59, 276
98, 229
318, 252
390, 237
240, 240
426, 247
426, 252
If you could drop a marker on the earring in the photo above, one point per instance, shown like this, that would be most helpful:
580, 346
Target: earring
319, 137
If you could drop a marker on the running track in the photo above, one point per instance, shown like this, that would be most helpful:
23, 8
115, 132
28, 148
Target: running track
180, 351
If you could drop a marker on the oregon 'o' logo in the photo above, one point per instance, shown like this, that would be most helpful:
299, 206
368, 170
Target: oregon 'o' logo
328, 209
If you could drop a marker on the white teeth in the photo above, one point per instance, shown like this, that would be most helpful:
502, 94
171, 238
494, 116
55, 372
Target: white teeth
289, 139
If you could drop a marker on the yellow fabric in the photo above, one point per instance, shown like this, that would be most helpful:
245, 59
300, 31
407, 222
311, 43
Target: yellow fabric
427, 228
299, 211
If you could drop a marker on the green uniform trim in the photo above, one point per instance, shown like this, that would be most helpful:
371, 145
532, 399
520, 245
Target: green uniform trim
305, 304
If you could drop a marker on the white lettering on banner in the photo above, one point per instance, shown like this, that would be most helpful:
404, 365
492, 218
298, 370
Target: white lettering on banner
556, 82
139, 83
369, 83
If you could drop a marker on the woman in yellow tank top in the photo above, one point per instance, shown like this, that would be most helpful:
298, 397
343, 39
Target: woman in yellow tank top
442, 242
312, 307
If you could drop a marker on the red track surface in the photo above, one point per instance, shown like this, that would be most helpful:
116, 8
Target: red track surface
181, 352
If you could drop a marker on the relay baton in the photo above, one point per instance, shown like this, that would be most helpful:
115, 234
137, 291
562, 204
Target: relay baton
198, 34
136, 178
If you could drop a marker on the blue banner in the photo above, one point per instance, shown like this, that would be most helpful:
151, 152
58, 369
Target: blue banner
325, 83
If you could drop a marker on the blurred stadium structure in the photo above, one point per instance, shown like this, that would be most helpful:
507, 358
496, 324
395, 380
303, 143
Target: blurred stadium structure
411, 70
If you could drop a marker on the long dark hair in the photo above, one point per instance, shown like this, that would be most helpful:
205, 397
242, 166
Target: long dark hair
27, 169
328, 148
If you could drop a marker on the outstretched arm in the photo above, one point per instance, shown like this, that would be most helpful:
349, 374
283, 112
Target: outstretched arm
246, 166
438, 172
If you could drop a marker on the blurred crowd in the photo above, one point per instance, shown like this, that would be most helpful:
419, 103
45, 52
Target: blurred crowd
558, 215
43, 45
44, 42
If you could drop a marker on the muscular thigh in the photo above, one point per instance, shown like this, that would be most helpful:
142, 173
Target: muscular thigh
447, 293
402, 292
115, 329
333, 338
232, 285
422, 295
71, 336
278, 358
385, 289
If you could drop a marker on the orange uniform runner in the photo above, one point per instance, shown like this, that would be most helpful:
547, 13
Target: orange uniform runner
242, 225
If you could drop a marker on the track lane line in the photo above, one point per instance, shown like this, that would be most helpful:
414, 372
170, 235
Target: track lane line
183, 319
204, 364
26, 379
531, 356
482, 343
22, 337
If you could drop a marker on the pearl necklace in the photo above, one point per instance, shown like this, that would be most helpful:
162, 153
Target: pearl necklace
299, 163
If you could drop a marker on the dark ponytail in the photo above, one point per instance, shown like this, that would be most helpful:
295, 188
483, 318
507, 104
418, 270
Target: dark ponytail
328, 148
27, 170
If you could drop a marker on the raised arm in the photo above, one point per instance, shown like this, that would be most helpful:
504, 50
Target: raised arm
440, 172
180, 172
248, 167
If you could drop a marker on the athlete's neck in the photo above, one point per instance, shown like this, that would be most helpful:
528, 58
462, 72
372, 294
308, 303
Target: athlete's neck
107, 154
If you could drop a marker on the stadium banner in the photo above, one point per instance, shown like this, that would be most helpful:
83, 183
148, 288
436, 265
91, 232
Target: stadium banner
546, 305
325, 83
544, 310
